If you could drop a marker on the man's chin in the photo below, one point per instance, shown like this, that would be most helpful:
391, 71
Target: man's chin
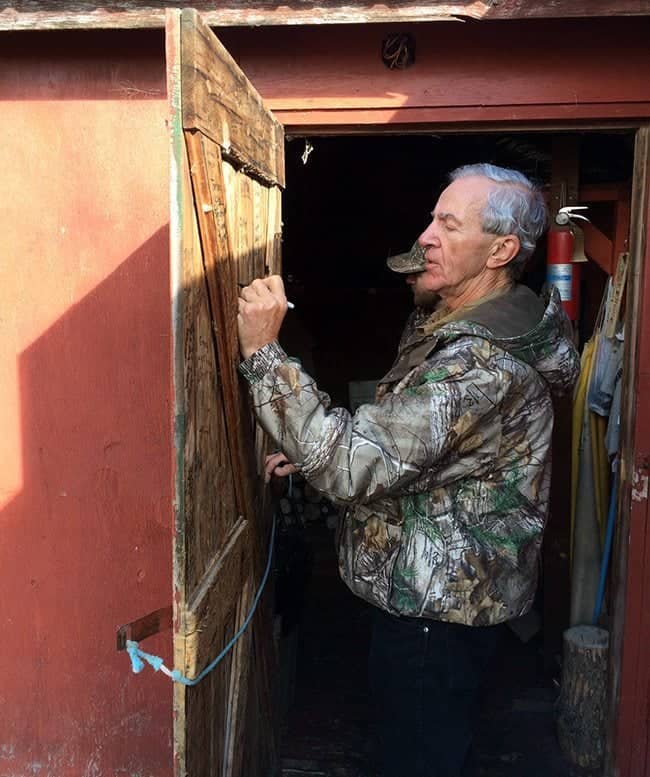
425, 299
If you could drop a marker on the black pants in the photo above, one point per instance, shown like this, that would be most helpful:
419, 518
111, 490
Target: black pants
425, 677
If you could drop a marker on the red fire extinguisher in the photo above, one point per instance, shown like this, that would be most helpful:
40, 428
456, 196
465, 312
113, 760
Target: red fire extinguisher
561, 271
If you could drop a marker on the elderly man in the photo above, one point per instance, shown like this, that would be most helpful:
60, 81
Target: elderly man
445, 478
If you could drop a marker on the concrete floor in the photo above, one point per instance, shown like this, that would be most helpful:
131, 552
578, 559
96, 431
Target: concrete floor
326, 732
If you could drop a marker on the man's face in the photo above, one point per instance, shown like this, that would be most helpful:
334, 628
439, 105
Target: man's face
455, 246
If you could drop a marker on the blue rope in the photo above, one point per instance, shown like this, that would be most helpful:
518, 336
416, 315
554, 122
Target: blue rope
609, 536
139, 657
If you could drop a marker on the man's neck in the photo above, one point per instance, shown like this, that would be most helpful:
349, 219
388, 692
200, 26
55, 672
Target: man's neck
477, 289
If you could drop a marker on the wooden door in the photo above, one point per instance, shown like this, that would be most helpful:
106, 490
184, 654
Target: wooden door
227, 169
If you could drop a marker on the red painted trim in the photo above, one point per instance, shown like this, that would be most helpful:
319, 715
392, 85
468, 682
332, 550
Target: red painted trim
632, 730
341, 118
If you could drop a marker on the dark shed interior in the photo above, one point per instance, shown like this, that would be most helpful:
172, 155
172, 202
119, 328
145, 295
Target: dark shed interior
349, 203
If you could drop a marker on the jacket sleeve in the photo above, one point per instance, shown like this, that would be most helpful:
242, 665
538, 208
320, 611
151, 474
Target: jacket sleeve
384, 447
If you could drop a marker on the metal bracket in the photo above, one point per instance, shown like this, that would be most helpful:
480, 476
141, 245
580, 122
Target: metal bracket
153, 623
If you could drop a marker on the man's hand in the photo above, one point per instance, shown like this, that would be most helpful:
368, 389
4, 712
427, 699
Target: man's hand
278, 465
262, 308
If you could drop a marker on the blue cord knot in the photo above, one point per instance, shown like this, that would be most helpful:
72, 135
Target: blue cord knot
138, 657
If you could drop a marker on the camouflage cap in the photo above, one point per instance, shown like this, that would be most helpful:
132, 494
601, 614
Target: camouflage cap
410, 262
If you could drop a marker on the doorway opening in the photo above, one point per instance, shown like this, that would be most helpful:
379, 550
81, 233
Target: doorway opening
350, 202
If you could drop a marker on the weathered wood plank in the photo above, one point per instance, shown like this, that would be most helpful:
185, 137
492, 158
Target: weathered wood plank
274, 233
260, 227
242, 192
181, 236
125, 14
210, 506
211, 502
563, 9
220, 273
216, 602
219, 100
206, 709
240, 677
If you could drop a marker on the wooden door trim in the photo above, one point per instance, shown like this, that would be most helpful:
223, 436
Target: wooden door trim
178, 193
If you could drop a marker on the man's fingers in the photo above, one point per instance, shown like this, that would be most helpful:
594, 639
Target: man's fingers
249, 293
275, 459
285, 469
262, 290
282, 471
264, 293
271, 463
278, 465
275, 285
259, 287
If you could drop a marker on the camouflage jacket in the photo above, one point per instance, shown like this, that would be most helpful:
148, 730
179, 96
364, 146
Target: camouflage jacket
445, 478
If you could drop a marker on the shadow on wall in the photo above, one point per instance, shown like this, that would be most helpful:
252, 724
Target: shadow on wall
86, 546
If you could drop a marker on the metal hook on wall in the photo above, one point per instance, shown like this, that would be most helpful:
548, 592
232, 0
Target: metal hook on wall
307, 151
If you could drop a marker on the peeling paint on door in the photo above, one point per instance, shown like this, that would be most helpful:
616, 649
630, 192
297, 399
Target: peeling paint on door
640, 486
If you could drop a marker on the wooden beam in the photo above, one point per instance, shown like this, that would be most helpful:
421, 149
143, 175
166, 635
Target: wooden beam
599, 248
38, 14
498, 119
604, 192
223, 104
564, 9
129, 14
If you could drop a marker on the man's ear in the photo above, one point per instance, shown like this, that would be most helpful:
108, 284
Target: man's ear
503, 251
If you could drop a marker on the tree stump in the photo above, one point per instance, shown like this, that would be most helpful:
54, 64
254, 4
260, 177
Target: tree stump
582, 707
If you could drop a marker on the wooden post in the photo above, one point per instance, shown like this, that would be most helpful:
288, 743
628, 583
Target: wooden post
582, 708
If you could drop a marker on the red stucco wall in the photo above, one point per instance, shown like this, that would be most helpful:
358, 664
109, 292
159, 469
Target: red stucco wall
85, 429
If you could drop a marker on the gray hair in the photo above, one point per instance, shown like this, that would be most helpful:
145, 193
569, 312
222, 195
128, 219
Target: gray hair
515, 207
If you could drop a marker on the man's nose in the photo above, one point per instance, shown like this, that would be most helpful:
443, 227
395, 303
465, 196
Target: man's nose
429, 236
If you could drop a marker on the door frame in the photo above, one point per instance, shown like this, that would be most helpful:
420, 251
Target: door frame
628, 728
628, 754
